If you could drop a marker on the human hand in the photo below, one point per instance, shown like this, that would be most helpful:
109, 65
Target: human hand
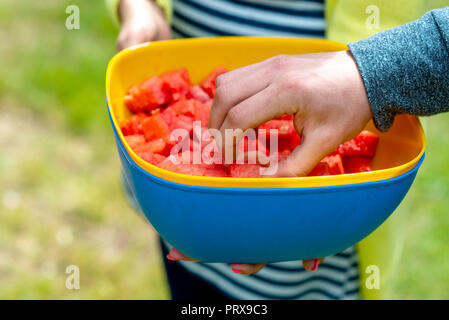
243, 268
324, 92
141, 21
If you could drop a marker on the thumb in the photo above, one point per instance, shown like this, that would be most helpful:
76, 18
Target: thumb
313, 148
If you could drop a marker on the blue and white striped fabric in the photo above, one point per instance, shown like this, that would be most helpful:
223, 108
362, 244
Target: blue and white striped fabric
277, 18
336, 278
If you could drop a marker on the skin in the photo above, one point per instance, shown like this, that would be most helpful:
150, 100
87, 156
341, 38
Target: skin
141, 21
324, 92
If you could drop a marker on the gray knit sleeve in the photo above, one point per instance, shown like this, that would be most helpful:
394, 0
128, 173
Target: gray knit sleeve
406, 69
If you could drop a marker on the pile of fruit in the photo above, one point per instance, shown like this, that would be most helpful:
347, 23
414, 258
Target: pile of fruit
163, 104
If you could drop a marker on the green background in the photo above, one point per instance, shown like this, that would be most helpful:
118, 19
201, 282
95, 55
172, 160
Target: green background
61, 201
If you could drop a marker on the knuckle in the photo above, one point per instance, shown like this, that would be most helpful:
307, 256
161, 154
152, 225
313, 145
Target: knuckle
234, 117
290, 81
220, 81
221, 94
280, 62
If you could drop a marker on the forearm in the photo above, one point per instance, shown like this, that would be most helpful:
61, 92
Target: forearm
406, 69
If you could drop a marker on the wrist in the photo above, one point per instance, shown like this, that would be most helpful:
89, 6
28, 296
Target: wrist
136, 10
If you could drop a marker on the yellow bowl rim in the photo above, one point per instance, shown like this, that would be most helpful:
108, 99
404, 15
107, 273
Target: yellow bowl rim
229, 182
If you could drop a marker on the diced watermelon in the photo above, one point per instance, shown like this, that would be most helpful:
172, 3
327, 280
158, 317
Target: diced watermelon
153, 158
216, 170
155, 127
365, 144
208, 84
185, 107
148, 95
210, 152
321, 169
178, 83
245, 170
202, 111
153, 146
168, 114
133, 125
197, 93
183, 165
355, 164
289, 143
250, 149
135, 140
335, 163
181, 122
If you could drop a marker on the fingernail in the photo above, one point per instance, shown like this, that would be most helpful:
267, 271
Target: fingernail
315, 265
236, 270
170, 257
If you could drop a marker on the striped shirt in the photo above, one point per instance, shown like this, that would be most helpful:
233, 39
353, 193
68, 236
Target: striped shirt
337, 277
277, 18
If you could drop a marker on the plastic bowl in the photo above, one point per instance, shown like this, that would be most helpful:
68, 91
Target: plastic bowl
257, 220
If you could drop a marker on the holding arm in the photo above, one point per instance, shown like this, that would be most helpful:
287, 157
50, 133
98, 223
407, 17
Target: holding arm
406, 69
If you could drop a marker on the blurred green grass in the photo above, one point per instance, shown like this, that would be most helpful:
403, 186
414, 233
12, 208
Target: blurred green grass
61, 200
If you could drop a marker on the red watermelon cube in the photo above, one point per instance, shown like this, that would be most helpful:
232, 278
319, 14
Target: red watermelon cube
365, 144
245, 170
321, 169
357, 164
177, 82
155, 127
335, 163
148, 95
208, 84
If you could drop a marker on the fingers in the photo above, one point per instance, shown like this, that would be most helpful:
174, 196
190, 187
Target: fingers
233, 92
243, 268
176, 255
250, 113
240, 84
313, 148
247, 268
312, 264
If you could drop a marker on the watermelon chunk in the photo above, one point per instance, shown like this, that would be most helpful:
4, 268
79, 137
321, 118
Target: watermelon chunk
197, 93
321, 169
185, 107
202, 111
135, 140
182, 164
245, 170
182, 122
208, 84
357, 164
177, 82
155, 127
335, 163
365, 144
153, 158
132, 125
154, 146
148, 95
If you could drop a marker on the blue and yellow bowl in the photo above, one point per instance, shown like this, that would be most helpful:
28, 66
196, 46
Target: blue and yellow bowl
217, 219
